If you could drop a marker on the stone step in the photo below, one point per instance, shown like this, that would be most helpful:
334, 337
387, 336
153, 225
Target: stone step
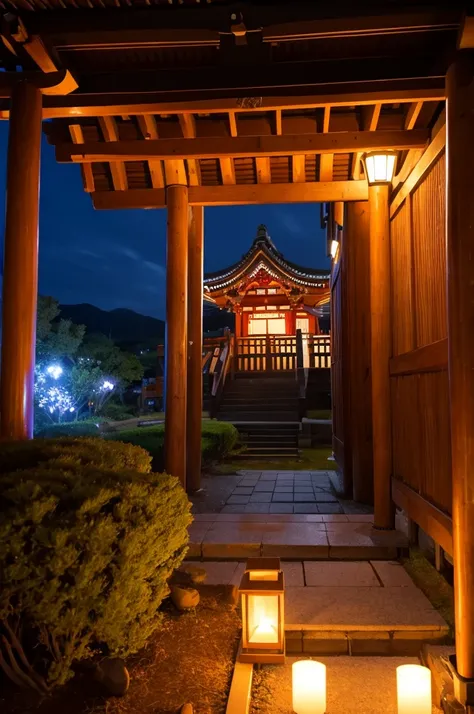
318, 539
277, 416
352, 608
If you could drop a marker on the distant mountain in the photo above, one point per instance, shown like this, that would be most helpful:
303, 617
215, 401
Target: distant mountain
121, 325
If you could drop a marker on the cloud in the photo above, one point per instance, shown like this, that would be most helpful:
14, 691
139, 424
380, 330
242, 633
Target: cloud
128, 253
155, 267
290, 223
89, 253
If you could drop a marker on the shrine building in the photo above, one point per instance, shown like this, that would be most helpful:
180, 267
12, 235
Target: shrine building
269, 294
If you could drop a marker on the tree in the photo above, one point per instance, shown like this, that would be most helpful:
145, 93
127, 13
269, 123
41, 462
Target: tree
55, 340
122, 367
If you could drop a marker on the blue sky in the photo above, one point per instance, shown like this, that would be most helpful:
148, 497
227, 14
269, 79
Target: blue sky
117, 258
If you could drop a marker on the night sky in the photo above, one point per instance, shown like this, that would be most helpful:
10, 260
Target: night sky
117, 258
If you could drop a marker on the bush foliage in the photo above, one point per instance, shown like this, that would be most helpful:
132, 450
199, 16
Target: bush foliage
218, 440
89, 427
88, 539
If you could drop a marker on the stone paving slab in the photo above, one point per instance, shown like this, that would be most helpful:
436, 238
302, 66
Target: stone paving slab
393, 574
333, 574
368, 683
360, 608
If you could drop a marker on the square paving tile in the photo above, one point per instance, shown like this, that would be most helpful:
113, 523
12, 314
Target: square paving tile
304, 497
218, 573
234, 500
232, 509
260, 497
248, 482
393, 574
333, 508
241, 491
337, 574
296, 540
268, 477
325, 497
357, 608
257, 508
306, 508
303, 489
281, 508
283, 497
198, 530
264, 486
293, 573
283, 489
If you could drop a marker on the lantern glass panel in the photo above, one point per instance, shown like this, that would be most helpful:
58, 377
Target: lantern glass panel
263, 619
380, 167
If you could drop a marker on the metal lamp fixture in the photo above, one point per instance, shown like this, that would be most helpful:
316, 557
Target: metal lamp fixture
380, 166
262, 600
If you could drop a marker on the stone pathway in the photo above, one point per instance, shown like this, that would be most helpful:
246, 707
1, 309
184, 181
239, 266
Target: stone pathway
283, 492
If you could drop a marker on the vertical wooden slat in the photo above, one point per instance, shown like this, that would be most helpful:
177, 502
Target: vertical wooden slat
188, 127
147, 124
77, 137
109, 129
326, 160
402, 266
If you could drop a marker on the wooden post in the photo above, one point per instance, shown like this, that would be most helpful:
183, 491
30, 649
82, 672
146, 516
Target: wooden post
20, 278
176, 331
460, 254
195, 297
380, 342
357, 362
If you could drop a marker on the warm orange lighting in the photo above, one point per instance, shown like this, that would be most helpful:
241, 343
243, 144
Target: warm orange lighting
261, 592
413, 689
334, 249
309, 687
380, 166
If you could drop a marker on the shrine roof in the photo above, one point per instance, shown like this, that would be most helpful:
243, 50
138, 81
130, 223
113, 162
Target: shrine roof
263, 254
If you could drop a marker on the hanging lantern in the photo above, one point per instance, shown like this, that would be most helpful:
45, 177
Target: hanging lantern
380, 166
262, 601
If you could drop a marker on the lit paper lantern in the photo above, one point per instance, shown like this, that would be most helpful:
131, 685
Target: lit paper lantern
309, 687
380, 166
262, 600
413, 689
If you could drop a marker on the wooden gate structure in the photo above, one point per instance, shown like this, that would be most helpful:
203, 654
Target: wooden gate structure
181, 106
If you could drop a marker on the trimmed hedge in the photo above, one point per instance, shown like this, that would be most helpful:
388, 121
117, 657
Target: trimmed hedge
73, 428
85, 552
73, 454
218, 440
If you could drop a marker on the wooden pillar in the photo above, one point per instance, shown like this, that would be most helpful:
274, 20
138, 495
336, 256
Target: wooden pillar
380, 343
238, 322
176, 331
460, 255
194, 380
357, 363
20, 277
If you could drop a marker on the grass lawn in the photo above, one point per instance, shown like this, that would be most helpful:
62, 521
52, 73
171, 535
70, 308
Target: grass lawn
309, 460
436, 588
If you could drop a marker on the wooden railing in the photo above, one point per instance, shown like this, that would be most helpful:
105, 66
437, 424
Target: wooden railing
279, 353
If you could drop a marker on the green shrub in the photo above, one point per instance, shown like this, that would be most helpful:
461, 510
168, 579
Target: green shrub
116, 412
73, 454
218, 440
72, 428
85, 556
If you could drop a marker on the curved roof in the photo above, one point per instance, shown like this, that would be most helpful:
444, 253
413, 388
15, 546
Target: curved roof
264, 254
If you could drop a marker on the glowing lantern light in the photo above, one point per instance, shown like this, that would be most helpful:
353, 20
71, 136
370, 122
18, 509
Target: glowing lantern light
309, 687
262, 590
334, 249
380, 166
413, 689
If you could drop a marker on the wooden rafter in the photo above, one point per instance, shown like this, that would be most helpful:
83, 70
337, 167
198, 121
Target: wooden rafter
263, 169
87, 176
369, 120
327, 160
148, 128
285, 145
240, 194
109, 129
188, 127
278, 122
413, 155
298, 164
233, 123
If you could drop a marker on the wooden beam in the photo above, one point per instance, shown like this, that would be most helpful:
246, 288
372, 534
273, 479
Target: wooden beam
175, 173
466, 33
233, 123
326, 160
263, 169
109, 130
298, 164
434, 522
238, 195
412, 114
86, 169
188, 127
393, 92
430, 358
431, 154
248, 146
148, 128
53, 84
227, 171
413, 155
369, 120
278, 123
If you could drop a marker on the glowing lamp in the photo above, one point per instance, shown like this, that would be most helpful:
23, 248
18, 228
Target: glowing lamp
262, 601
413, 689
334, 249
309, 687
380, 166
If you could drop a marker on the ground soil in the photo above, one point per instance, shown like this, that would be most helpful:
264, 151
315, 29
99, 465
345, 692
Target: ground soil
190, 659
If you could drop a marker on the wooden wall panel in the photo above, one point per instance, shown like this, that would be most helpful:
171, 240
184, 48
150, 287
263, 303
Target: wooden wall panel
429, 249
403, 332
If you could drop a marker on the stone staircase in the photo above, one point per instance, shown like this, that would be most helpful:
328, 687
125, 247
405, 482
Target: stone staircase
264, 408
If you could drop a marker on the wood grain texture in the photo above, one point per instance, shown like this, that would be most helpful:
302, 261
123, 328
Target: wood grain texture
430, 358
403, 331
